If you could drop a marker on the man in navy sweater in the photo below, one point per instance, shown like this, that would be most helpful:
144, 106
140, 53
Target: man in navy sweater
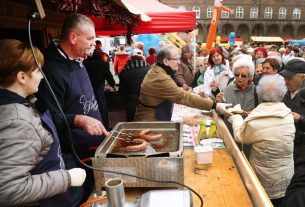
70, 82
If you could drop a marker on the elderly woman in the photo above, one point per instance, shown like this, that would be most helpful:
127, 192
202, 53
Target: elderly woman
242, 90
269, 129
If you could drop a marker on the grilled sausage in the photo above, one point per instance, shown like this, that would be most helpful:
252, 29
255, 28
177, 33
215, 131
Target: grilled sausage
141, 145
144, 135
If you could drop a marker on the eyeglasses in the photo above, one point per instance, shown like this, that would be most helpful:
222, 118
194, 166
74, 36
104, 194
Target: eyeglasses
173, 58
237, 75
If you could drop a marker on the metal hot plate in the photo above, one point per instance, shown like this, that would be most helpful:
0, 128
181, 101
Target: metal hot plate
170, 143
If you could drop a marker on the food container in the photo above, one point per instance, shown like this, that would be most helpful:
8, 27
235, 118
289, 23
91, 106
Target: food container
160, 163
204, 154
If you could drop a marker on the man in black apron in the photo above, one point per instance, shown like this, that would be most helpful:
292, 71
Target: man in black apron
70, 82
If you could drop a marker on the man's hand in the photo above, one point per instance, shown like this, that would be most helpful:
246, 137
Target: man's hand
296, 116
91, 125
221, 108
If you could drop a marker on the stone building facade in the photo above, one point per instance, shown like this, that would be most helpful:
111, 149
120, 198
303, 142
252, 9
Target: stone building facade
283, 18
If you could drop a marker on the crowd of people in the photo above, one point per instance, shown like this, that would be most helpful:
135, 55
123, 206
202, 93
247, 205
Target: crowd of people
38, 167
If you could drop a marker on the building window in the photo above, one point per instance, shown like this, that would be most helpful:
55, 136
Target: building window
209, 12
225, 14
282, 13
197, 10
296, 14
253, 13
181, 8
268, 13
239, 12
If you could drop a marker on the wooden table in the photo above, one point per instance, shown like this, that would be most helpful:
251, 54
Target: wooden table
219, 183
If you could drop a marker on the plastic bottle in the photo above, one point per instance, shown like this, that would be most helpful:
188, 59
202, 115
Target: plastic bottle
202, 131
212, 132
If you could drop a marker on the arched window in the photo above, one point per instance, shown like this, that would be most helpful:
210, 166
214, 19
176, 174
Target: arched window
181, 8
282, 13
253, 13
225, 14
239, 12
296, 14
209, 12
268, 13
197, 10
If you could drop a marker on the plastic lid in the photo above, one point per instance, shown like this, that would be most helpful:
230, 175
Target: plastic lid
199, 149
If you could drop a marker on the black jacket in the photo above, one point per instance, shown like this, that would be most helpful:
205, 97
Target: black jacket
98, 71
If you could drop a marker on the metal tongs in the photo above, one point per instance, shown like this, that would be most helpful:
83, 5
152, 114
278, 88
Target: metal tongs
129, 137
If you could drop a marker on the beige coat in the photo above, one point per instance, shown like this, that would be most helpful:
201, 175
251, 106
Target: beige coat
158, 87
270, 130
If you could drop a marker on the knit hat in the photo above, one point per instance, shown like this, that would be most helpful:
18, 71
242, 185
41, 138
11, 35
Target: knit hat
262, 50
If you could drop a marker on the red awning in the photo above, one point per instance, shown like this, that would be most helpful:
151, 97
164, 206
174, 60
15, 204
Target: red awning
155, 18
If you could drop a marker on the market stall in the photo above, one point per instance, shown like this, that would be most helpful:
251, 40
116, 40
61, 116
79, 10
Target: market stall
266, 40
226, 180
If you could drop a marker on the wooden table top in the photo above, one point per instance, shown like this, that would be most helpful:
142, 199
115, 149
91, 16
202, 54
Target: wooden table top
219, 183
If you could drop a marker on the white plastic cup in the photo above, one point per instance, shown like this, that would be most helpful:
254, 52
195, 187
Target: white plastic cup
204, 154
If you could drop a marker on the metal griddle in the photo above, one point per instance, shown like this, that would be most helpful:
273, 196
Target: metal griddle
171, 143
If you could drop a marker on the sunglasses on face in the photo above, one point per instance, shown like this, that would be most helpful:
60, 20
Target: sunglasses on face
237, 75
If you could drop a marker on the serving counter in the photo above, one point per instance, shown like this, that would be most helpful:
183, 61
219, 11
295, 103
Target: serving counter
226, 182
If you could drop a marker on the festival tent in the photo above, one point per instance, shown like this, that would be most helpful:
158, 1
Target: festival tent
155, 17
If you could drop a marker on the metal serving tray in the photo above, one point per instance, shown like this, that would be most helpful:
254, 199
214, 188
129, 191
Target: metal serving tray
171, 143
165, 163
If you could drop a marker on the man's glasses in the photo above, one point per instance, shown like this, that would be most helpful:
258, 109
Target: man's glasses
237, 75
173, 58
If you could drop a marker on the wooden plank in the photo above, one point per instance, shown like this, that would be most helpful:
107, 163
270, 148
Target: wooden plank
218, 183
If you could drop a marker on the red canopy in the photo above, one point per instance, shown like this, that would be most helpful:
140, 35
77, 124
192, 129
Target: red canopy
155, 18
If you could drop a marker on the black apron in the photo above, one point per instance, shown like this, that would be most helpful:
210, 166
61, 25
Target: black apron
164, 111
82, 101
52, 161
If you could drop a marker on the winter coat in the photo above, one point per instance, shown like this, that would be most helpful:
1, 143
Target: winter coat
269, 129
158, 87
99, 71
245, 98
185, 73
24, 143
120, 60
222, 78
131, 78
151, 59
296, 105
